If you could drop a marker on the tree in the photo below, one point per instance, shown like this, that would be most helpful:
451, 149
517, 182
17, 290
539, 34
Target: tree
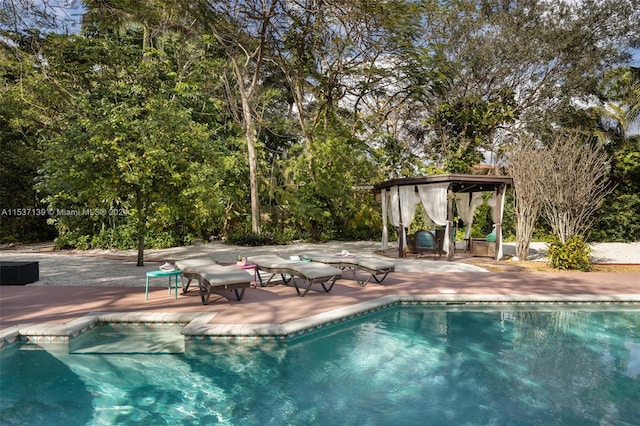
566, 179
290, 104
21, 119
618, 219
546, 55
525, 165
125, 146
353, 72
465, 127
126, 139
23, 217
617, 107
242, 29
633, 113
573, 182
611, 120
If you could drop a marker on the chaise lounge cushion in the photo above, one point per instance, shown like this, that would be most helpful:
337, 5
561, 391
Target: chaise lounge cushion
311, 273
214, 278
374, 266
186, 264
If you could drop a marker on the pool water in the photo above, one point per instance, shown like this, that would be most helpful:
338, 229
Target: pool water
402, 366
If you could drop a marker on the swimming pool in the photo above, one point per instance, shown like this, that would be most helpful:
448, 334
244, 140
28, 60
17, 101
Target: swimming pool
400, 366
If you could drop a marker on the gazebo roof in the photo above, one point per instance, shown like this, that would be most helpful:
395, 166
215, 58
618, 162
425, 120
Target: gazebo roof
458, 182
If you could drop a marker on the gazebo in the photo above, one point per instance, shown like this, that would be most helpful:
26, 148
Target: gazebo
437, 194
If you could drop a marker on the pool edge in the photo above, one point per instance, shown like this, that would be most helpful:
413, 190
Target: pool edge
197, 325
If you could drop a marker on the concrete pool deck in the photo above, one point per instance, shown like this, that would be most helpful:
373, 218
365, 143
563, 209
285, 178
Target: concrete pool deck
79, 287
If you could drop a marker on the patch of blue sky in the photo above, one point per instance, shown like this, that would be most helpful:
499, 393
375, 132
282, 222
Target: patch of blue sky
63, 16
635, 58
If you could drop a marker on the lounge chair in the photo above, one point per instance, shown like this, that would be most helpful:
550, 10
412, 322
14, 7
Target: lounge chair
214, 278
371, 265
187, 265
311, 273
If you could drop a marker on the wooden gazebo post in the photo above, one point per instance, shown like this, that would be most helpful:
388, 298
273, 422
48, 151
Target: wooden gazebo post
450, 248
500, 190
401, 241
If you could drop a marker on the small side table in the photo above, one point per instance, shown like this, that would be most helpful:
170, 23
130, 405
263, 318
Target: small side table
159, 273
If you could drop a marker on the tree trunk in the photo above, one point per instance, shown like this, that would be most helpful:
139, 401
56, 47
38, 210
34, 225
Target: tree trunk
522, 247
253, 162
527, 211
140, 250
245, 57
142, 227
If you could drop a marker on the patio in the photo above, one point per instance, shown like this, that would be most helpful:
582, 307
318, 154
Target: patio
423, 279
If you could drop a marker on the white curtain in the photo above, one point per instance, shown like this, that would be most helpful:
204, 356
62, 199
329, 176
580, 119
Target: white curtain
494, 211
385, 232
434, 201
393, 206
408, 202
403, 199
466, 203
394, 210
499, 255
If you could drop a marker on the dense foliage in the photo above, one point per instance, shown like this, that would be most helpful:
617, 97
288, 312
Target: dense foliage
156, 123
573, 254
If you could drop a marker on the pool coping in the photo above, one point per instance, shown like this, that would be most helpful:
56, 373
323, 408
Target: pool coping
196, 326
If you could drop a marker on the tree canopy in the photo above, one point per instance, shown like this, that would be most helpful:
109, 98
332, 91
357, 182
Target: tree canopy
155, 123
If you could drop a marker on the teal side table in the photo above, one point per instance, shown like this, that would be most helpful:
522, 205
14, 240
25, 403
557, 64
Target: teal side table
159, 273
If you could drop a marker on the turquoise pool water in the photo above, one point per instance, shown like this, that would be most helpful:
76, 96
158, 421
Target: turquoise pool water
403, 366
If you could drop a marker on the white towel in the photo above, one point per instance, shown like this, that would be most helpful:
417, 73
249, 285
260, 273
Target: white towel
167, 267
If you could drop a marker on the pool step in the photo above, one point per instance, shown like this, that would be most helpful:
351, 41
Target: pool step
119, 339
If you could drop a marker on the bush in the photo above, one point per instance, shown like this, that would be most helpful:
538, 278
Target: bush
573, 255
252, 239
120, 237
160, 240
72, 240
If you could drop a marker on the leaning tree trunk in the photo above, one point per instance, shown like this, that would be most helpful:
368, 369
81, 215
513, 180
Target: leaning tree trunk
253, 164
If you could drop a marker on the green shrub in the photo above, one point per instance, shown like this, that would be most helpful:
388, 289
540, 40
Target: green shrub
72, 240
252, 239
161, 239
284, 236
573, 255
121, 237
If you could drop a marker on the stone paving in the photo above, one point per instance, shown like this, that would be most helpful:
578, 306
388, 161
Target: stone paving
75, 285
